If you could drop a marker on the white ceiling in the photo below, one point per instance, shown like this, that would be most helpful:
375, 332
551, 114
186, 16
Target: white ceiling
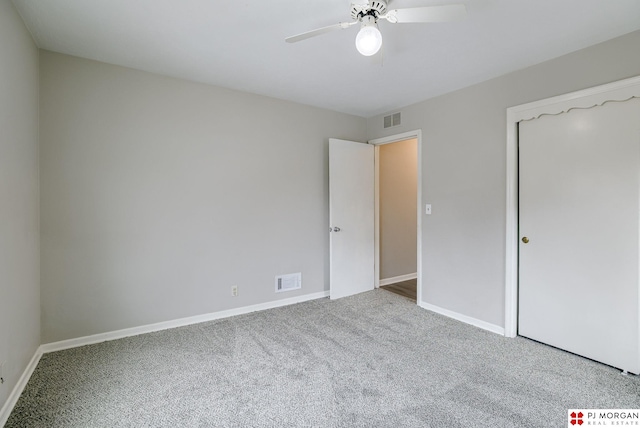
240, 44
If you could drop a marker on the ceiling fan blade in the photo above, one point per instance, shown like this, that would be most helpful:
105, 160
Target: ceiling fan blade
317, 32
446, 13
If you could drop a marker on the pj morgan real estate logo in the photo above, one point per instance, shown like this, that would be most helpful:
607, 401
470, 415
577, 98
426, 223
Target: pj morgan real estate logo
603, 417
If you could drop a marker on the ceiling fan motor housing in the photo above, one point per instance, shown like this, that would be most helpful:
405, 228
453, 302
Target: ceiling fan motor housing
375, 8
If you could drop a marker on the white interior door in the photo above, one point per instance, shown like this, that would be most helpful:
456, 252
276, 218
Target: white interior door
351, 208
579, 211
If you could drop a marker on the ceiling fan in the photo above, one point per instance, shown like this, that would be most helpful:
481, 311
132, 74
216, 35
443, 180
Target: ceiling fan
368, 12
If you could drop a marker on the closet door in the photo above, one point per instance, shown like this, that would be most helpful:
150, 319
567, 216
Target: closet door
579, 232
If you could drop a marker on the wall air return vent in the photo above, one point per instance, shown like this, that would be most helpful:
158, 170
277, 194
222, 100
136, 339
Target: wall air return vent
392, 120
292, 281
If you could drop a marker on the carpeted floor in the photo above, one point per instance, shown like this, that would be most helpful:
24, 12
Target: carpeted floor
371, 360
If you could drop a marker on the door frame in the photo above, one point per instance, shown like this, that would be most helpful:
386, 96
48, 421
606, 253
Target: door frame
621, 90
417, 134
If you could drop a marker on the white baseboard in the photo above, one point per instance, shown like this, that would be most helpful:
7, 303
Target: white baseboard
464, 318
19, 387
149, 328
393, 280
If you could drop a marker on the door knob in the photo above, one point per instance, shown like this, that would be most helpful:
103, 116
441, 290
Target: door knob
336, 229
525, 239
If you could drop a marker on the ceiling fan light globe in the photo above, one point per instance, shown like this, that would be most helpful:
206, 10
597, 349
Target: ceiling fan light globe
368, 40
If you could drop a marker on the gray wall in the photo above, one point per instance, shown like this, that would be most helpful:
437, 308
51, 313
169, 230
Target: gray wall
19, 240
464, 177
159, 194
398, 181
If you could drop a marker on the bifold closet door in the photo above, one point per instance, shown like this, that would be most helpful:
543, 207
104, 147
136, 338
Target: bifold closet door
579, 232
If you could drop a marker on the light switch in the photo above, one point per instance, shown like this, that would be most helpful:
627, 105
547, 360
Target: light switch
427, 209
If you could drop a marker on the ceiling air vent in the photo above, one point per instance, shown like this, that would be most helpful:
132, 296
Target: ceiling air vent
392, 120
292, 281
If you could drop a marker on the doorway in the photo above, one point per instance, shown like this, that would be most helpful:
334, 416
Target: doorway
354, 244
397, 171
398, 224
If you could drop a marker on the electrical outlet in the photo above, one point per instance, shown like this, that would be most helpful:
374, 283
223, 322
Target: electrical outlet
234, 290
